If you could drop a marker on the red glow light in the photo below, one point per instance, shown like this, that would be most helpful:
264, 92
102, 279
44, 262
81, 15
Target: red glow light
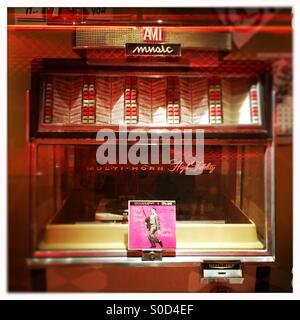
265, 29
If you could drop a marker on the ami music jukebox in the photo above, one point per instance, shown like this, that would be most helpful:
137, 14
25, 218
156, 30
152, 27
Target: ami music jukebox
150, 75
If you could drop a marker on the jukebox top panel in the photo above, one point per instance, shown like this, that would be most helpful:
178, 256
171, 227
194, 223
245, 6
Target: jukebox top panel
74, 102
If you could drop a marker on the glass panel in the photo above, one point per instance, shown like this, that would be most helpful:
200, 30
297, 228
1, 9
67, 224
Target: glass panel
72, 188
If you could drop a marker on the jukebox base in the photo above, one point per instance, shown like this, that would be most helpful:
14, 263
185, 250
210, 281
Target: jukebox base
113, 236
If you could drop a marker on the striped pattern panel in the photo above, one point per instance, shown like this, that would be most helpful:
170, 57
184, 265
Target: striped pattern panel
159, 115
228, 109
61, 100
75, 85
145, 100
173, 100
103, 100
199, 101
117, 101
235, 97
186, 101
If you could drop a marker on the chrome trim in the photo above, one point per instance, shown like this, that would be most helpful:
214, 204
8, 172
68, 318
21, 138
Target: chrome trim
87, 141
221, 128
124, 253
137, 261
268, 197
222, 273
273, 172
270, 185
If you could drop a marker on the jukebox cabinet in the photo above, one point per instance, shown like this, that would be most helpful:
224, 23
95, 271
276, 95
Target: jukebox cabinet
150, 79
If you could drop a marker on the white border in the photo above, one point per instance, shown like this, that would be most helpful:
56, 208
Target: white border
154, 3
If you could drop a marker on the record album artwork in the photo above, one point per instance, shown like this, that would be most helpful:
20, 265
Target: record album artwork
152, 225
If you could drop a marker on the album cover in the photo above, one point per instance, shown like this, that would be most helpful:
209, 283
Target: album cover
152, 224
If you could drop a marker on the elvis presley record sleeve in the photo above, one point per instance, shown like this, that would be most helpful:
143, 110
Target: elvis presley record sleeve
152, 224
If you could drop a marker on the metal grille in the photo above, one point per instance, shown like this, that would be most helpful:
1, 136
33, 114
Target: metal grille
104, 37
118, 36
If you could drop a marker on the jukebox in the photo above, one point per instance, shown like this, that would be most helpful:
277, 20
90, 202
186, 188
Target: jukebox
123, 73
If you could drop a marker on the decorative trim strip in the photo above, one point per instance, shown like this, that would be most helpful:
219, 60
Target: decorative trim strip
130, 101
48, 100
215, 101
88, 110
254, 108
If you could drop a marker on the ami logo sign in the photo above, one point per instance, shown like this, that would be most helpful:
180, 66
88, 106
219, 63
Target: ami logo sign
153, 34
